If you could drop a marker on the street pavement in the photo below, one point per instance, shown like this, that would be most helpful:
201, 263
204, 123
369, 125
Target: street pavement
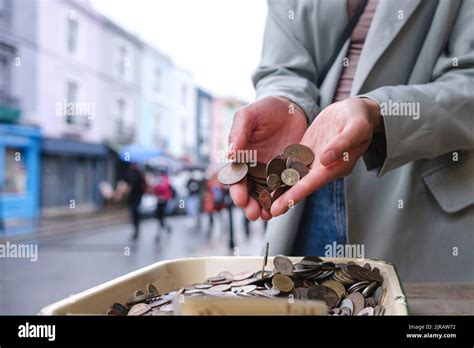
70, 264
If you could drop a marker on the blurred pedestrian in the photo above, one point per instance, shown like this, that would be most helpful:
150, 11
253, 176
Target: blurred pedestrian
164, 193
213, 201
246, 226
136, 188
195, 193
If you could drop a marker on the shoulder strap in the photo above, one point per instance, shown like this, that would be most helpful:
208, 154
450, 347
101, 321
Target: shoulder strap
342, 39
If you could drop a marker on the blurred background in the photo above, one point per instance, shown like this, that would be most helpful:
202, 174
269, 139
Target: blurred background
114, 116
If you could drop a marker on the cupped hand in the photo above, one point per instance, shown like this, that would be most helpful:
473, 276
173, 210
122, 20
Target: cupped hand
339, 136
266, 126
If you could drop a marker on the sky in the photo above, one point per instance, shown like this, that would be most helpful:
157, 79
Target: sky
218, 41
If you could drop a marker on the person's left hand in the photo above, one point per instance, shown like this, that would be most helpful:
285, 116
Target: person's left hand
339, 136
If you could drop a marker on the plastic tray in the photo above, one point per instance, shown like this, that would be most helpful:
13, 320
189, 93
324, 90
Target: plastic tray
173, 274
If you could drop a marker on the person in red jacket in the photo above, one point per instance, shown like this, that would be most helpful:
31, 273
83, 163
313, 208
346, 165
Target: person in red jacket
213, 200
164, 193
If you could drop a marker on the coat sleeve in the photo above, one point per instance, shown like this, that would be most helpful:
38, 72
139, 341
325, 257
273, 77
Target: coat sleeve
287, 68
446, 106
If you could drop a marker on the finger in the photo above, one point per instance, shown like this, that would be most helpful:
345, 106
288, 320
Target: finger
315, 179
241, 129
239, 193
252, 210
352, 136
265, 214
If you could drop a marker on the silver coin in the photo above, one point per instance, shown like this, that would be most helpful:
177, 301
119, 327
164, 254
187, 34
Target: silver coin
193, 291
283, 265
221, 287
345, 311
214, 293
290, 177
226, 275
348, 304
366, 311
162, 300
203, 286
378, 294
167, 308
232, 173
358, 286
244, 289
369, 289
139, 309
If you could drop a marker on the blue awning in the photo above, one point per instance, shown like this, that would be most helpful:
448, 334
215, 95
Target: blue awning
54, 146
19, 130
136, 153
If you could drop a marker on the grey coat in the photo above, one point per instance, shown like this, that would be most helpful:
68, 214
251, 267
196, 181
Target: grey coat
410, 200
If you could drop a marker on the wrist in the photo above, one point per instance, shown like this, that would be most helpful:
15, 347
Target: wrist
374, 114
295, 109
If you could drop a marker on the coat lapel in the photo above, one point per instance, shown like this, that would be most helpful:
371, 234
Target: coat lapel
389, 18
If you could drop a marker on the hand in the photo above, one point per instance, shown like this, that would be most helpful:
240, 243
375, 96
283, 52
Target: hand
266, 126
339, 136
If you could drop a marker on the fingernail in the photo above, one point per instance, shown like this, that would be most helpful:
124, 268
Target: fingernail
329, 156
230, 151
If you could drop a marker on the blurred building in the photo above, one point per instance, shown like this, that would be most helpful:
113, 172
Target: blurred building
75, 88
156, 108
19, 139
223, 110
120, 93
181, 127
203, 126
120, 57
69, 48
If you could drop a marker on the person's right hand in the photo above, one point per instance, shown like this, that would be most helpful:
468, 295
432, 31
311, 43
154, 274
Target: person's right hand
267, 126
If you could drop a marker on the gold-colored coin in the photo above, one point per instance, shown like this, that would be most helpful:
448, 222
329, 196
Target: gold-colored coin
282, 283
336, 286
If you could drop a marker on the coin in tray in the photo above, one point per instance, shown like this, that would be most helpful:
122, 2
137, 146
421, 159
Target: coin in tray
346, 288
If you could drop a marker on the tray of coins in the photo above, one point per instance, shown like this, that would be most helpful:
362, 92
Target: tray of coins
312, 285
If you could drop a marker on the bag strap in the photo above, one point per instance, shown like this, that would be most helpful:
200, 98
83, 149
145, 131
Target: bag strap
343, 38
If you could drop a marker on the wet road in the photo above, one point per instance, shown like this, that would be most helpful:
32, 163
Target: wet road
70, 264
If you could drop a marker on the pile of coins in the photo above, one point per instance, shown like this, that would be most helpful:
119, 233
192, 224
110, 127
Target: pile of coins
267, 182
347, 289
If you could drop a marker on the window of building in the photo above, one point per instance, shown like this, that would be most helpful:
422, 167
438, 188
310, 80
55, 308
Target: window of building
120, 116
157, 138
122, 61
158, 78
72, 90
15, 180
184, 94
186, 138
4, 74
7, 54
72, 34
5, 13
2, 8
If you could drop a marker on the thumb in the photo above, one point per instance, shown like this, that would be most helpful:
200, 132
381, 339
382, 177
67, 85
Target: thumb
242, 126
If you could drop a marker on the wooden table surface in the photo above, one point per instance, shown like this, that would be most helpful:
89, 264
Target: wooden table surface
440, 298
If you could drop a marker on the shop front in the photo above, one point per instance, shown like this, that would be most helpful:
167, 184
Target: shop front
71, 173
19, 178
